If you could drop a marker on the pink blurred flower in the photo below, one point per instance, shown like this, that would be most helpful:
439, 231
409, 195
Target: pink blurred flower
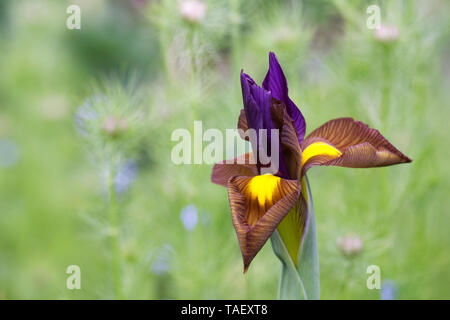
386, 33
114, 126
193, 10
350, 246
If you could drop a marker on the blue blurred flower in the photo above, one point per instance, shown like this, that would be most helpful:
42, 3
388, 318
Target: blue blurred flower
9, 153
189, 217
161, 263
86, 113
126, 174
388, 290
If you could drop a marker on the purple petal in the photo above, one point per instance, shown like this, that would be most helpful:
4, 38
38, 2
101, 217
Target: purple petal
276, 83
257, 103
251, 108
263, 99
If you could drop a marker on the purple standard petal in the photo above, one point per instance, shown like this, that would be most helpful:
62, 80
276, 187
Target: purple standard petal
263, 99
257, 103
251, 108
276, 83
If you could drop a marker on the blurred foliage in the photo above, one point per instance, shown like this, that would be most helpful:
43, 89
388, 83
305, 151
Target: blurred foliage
160, 69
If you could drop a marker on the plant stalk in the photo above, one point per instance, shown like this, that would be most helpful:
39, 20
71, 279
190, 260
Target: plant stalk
300, 281
114, 237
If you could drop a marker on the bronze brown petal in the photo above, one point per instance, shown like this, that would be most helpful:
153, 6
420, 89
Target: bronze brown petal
258, 204
243, 125
242, 165
291, 151
348, 143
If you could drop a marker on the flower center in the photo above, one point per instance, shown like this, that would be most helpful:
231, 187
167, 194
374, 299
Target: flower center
265, 190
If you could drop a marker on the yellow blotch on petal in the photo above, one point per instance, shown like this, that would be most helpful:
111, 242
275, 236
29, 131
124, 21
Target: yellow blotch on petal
262, 192
318, 149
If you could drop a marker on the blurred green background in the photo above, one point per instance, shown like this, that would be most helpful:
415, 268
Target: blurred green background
84, 110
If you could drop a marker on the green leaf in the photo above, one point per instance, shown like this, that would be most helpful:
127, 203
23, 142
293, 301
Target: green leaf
301, 282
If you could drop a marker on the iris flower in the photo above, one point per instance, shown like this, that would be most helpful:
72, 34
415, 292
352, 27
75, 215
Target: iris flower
261, 203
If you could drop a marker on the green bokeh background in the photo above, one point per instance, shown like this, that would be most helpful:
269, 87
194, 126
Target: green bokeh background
53, 200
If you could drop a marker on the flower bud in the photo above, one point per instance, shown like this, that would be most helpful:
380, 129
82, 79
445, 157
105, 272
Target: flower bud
386, 33
114, 126
193, 10
350, 246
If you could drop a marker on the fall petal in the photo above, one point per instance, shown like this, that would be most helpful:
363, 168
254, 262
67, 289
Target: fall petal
243, 165
258, 204
348, 143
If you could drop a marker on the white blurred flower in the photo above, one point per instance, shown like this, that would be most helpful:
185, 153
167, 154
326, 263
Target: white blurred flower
386, 33
193, 10
350, 246
189, 217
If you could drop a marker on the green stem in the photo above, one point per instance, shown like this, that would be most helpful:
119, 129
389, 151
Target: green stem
235, 37
235, 47
302, 281
348, 271
194, 77
114, 237
291, 285
164, 44
386, 85
384, 117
